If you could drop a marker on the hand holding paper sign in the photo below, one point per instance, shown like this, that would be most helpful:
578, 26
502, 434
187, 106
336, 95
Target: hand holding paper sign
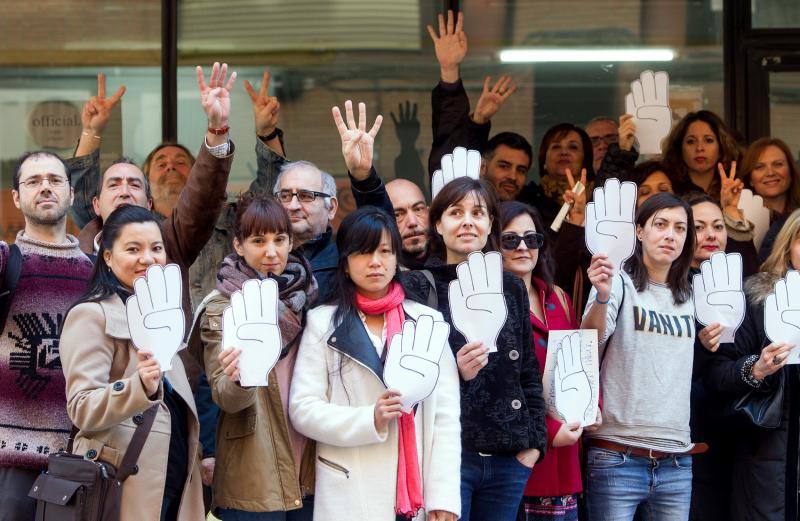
782, 313
573, 390
648, 103
155, 315
718, 295
753, 208
610, 226
250, 324
460, 163
412, 364
477, 304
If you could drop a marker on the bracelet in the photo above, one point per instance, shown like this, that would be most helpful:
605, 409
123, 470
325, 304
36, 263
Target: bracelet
84, 133
272, 135
747, 372
219, 131
597, 299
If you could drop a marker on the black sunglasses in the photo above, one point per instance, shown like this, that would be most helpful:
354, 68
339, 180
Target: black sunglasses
510, 241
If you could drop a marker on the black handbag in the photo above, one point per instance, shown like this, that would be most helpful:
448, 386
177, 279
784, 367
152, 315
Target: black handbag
763, 408
78, 489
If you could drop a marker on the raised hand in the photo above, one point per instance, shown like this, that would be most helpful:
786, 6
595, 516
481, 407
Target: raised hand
357, 143
782, 313
730, 190
753, 208
477, 304
575, 196
460, 163
610, 226
573, 392
601, 273
155, 313
492, 98
97, 111
718, 295
250, 325
149, 372
648, 103
265, 108
412, 364
215, 96
627, 131
450, 45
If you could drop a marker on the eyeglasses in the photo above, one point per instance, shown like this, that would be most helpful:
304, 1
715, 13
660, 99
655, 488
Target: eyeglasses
608, 138
510, 241
36, 182
304, 196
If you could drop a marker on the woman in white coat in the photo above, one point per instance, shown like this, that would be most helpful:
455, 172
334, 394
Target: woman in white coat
366, 465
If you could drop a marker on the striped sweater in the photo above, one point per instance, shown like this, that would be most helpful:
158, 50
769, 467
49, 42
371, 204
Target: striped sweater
33, 415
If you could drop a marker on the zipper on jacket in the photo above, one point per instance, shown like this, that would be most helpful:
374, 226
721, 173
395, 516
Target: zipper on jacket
334, 466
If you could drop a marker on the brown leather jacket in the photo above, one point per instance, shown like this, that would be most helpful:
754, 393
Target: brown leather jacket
252, 434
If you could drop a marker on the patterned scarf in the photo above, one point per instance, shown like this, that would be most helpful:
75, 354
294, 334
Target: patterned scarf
297, 290
409, 481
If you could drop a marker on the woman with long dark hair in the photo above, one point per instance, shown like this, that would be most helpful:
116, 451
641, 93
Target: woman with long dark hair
267, 449
503, 432
374, 461
110, 383
644, 316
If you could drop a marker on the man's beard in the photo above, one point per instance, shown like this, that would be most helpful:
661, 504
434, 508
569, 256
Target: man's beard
46, 218
417, 247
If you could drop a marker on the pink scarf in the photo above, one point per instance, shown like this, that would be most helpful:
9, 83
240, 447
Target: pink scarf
409, 483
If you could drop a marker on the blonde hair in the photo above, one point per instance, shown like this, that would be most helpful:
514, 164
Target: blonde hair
780, 259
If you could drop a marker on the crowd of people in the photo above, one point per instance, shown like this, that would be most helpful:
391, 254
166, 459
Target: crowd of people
326, 439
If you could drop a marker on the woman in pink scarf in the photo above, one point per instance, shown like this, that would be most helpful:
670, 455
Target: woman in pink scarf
374, 461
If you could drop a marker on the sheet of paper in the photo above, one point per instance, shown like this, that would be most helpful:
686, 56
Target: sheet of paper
155, 313
610, 227
250, 323
571, 378
412, 363
648, 103
718, 295
461, 163
782, 313
752, 206
477, 305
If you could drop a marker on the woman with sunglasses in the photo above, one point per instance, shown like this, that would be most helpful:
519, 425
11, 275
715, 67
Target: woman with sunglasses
551, 491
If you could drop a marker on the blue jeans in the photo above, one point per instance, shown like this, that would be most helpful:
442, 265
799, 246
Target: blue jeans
304, 514
491, 487
618, 483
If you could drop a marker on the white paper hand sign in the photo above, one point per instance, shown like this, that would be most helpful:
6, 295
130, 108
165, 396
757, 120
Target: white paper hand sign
155, 313
610, 226
477, 304
412, 364
461, 163
250, 323
782, 313
573, 390
718, 295
752, 206
648, 103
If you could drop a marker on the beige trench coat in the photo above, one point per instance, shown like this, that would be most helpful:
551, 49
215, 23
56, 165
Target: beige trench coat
104, 392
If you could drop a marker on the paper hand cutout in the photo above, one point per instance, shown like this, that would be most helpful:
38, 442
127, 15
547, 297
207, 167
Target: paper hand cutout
752, 206
251, 324
155, 315
461, 163
648, 103
718, 295
782, 313
477, 304
572, 388
610, 226
412, 364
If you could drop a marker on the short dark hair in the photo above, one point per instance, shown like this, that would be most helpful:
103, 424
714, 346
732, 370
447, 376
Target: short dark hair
35, 154
644, 170
511, 140
560, 131
510, 210
678, 275
450, 194
124, 160
164, 144
258, 213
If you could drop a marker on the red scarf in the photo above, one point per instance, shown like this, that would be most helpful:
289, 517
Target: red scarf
409, 483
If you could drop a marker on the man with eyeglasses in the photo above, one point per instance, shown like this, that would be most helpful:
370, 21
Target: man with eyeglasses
42, 274
602, 131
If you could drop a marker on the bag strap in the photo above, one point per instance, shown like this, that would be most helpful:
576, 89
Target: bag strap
140, 435
10, 278
433, 298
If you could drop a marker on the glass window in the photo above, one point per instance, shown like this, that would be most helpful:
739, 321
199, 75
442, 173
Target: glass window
784, 108
775, 14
